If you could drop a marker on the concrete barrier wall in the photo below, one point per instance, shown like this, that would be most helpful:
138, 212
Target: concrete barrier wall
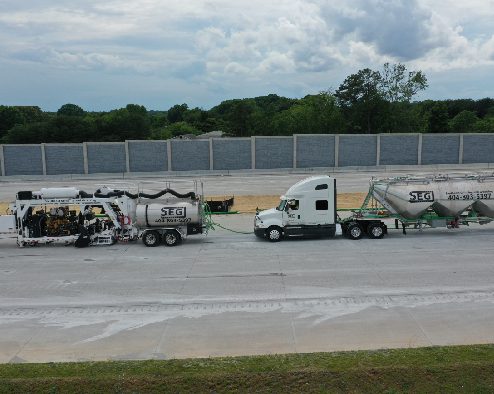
147, 156
64, 159
106, 157
440, 148
360, 150
262, 153
398, 149
273, 152
315, 151
232, 154
190, 155
478, 148
22, 160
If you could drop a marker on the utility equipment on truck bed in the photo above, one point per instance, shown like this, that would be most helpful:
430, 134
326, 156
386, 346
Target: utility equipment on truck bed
69, 215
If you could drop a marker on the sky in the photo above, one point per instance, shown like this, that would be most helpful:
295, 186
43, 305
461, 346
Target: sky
103, 55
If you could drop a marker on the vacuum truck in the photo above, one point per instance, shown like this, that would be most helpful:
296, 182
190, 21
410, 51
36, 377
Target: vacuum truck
309, 208
68, 215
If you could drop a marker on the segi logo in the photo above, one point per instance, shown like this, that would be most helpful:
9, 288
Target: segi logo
422, 196
173, 212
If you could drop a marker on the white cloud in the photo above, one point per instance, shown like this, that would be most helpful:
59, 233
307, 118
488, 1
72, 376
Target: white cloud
253, 46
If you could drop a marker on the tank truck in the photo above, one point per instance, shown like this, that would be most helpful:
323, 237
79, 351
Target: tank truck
309, 208
68, 215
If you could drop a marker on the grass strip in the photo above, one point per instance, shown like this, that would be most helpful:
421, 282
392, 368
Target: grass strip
433, 369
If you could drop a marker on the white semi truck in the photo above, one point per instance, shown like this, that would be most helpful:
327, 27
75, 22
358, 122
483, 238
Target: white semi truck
309, 208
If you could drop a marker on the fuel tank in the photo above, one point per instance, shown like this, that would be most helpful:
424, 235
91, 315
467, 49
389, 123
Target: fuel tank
446, 195
168, 214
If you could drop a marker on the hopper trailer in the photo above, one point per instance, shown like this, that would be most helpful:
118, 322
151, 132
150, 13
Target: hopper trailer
309, 208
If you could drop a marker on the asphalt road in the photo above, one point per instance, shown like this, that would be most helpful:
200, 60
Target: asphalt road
233, 294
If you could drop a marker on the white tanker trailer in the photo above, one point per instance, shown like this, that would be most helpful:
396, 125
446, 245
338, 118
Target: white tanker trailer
309, 207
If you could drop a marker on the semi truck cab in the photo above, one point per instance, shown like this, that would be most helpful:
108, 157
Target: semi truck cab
308, 209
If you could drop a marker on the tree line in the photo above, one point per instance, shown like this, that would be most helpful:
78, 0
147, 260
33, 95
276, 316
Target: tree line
369, 101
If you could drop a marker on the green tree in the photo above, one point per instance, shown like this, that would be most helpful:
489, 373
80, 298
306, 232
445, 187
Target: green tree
464, 122
131, 122
398, 85
360, 98
9, 117
174, 130
312, 114
70, 110
485, 125
177, 112
437, 118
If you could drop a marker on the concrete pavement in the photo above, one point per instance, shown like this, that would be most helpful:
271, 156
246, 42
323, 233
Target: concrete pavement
233, 294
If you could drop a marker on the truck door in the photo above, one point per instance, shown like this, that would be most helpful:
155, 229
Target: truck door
293, 215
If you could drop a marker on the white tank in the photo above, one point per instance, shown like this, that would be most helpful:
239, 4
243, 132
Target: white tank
57, 192
168, 214
447, 196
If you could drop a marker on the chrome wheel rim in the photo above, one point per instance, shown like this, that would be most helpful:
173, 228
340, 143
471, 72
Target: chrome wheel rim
356, 232
274, 234
377, 231
150, 238
170, 239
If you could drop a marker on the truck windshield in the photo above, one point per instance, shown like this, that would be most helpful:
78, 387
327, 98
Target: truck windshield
282, 205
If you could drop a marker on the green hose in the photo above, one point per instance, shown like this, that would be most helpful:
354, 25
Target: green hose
210, 224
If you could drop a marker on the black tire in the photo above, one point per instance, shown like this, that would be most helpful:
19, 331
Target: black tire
375, 231
172, 238
354, 231
274, 234
151, 238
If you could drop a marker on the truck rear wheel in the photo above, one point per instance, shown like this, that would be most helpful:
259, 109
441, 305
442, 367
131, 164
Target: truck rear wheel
172, 238
354, 231
375, 231
274, 234
151, 238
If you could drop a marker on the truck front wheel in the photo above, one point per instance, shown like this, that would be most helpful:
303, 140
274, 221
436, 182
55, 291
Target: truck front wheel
274, 234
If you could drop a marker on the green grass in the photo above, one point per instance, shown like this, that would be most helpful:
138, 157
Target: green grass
424, 370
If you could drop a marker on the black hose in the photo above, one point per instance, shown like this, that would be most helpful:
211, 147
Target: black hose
83, 194
190, 195
120, 193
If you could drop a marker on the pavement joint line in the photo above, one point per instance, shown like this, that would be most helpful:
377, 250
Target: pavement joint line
292, 325
424, 333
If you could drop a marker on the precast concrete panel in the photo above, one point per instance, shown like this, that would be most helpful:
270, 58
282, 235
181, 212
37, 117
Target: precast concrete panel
23, 160
274, 153
64, 159
478, 148
399, 149
232, 154
440, 149
106, 158
190, 155
148, 156
315, 151
358, 150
